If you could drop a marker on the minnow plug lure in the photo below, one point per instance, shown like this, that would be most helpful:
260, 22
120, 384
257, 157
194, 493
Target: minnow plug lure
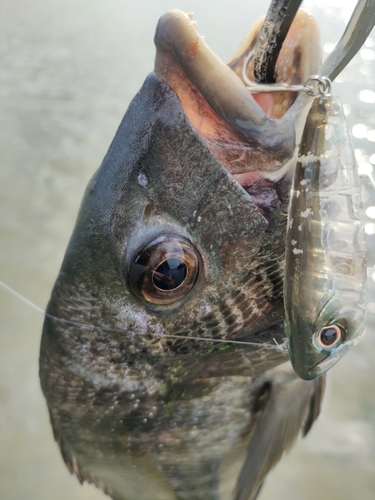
325, 271
325, 285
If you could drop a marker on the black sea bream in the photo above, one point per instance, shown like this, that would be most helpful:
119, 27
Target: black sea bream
158, 357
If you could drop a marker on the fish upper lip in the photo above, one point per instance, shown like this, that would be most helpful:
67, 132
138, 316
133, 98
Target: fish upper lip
183, 59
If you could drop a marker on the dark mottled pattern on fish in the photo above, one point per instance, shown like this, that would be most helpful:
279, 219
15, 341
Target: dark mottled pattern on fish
189, 399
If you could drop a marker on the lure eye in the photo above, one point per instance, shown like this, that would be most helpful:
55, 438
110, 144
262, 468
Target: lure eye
164, 271
329, 337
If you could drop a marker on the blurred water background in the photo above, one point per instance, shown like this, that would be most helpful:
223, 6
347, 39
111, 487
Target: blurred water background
68, 70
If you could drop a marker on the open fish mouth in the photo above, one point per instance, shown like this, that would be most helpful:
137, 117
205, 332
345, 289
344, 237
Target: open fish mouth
247, 133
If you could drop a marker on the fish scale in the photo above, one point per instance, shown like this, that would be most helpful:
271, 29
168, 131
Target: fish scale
155, 398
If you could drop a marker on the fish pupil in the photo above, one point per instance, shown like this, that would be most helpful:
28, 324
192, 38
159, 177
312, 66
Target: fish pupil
170, 274
328, 336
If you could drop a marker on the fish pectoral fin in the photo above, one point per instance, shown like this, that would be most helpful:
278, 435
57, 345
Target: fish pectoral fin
285, 404
315, 404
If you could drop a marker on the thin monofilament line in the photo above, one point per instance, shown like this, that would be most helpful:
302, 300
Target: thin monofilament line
118, 330
21, 298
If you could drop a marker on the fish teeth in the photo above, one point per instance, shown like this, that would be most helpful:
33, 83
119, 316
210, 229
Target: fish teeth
190, 15
194, 24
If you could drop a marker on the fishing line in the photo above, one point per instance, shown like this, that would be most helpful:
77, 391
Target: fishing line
21, 298
278, 347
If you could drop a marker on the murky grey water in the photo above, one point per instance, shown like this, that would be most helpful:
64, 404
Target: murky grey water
69, 69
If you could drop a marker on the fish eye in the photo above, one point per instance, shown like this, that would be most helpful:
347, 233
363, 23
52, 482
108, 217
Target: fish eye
329, 337
164, 271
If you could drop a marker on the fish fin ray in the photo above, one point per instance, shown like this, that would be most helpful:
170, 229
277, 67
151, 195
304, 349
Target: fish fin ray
315, 404
280, 420
72, 463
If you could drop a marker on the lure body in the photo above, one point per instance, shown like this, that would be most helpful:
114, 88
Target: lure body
325, 285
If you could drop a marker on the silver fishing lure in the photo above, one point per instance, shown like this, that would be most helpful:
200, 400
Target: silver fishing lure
325, 284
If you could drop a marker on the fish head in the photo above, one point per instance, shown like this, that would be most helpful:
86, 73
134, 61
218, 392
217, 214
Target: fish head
326, 337
169, 245
195, 178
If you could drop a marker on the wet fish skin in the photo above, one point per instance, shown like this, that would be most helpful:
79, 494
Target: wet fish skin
325, 244
142, 402
102, 381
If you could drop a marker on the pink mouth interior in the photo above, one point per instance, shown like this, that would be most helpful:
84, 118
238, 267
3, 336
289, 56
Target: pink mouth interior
267, 103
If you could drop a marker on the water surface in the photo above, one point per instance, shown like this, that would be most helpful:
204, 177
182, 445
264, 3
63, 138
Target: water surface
69, 69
